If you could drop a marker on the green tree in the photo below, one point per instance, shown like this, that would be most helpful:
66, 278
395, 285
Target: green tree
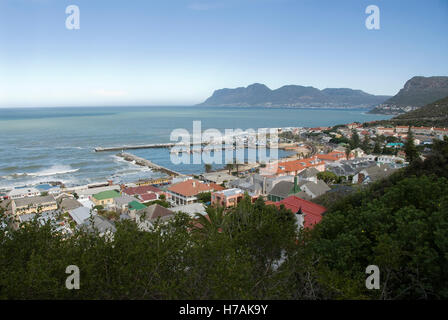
208, 167
410, 149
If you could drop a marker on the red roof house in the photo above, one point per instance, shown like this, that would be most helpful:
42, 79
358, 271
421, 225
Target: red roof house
312, 212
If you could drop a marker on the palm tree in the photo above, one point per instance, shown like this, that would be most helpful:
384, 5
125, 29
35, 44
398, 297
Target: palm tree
229, 167
212, 223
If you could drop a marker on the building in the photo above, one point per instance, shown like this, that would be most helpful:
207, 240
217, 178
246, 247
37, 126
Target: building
142, 192
100, 224
307, 213
217, 177
80, 215
293, 167
86, 192
121, 203
23, 193
30, 205
147, 216
105, 198
229, 197
186, 192
191, 209
373, 173
334, 156
384, 131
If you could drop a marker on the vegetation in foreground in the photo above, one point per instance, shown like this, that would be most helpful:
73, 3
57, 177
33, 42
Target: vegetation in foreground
254, 251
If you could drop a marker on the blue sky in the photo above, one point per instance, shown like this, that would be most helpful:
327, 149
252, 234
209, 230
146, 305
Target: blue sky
177, 52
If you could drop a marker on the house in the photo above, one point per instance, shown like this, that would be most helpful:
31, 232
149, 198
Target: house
191, 209
217, 177
309, 174
186, 192
358, 153
258, 184
135, 206
23, 193
334, 156
80, 215
283, 190
229, 197
121, 202
292, 167
307, 213
373, 173
68, 204
105, 198
29, 205
143, 192
315, 189
100, 224
383, 131
146, 217
87, 192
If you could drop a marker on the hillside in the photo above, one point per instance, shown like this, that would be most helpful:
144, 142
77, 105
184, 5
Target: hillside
434, 114
292, 95
417, 92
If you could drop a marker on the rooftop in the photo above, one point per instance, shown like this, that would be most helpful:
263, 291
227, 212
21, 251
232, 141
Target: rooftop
106, 195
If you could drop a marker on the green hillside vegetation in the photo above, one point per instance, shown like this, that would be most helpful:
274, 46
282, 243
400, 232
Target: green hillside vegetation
254, 251
433, 114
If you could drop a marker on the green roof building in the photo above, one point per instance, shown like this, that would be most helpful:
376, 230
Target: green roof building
105, 197
135, 205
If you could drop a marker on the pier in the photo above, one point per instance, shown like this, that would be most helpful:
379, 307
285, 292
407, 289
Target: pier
146, 163
147, 146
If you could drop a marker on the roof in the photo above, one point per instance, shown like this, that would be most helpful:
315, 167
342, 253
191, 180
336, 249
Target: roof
123, 200
376, 172
318, 188
192, 187
297, 165
308, 173
332, 156
24, 202
100, 223
23, 191
80, 215
282, 189
141, 190
148, 196
69, 204
191, 209
155, 211
230, 192
106, 195
135, 205
312, 212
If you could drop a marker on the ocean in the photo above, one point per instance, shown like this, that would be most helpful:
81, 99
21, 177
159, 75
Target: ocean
39, 145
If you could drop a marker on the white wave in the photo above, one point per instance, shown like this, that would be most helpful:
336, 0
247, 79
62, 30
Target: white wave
54, 170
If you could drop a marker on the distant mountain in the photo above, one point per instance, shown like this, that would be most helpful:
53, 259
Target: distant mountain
433, 114
292, 96
416, 93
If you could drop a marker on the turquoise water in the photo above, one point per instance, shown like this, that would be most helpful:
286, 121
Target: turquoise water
40, 145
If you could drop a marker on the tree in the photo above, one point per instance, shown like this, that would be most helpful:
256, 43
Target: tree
229, 166
347, 153
208, 167
377, 148
365, 144
410, 149
355, 140
328, 177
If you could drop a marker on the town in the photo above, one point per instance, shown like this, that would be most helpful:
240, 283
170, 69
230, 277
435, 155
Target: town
327, 161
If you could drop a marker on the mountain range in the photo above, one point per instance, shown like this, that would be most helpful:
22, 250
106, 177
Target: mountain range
417, 92
293, 96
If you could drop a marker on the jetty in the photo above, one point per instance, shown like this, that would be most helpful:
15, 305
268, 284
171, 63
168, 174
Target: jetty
146, 146
146, 163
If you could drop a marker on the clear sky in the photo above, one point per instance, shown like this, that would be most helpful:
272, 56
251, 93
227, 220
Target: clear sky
177, 52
